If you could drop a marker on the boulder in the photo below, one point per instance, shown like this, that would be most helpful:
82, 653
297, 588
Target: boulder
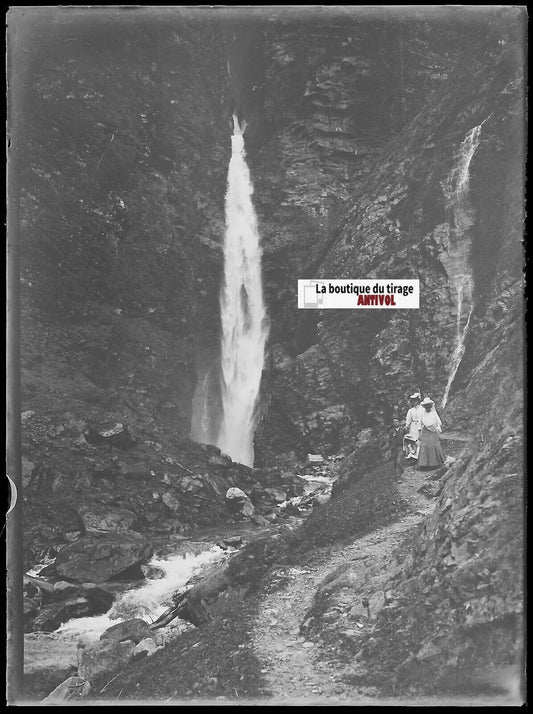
238, 502
54, 615
102, 558
118, 435
190, 484
147, 646
62, 589
134, 630
277, 494
71, 689
100, 600
103, 657
171, 502
105, 519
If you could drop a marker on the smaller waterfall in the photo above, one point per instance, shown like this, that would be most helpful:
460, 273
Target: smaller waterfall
458, 182
467, 151
461, 217
464, 297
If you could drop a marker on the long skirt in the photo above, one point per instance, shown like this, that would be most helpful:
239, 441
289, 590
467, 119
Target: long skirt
431, 453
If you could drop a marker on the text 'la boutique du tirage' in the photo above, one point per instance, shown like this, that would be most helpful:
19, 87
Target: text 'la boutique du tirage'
348, 294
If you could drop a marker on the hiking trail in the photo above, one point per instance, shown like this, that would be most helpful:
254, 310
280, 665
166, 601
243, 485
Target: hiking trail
296, 668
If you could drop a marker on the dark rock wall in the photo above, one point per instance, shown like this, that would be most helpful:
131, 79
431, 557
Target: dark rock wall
334, 92
457, 590
333, 373
122, 177
123, 116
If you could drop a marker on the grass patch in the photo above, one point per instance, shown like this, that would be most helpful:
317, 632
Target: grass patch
364, 504
215, 660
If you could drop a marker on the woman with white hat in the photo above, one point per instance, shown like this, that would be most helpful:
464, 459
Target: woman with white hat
413, 426
430, 454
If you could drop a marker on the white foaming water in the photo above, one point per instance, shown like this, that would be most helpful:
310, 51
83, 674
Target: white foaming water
149, 600
464, 295
243, 315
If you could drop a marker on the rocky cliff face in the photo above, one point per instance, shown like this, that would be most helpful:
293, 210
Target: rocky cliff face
456, 592
122, 173
122, 185
399, 215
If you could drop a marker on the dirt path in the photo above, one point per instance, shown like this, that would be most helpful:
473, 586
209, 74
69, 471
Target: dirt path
295, 668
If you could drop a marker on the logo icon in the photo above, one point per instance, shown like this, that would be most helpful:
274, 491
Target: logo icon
312, 298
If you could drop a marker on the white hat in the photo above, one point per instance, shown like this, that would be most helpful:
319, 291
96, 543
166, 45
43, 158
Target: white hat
427, 400
416, 395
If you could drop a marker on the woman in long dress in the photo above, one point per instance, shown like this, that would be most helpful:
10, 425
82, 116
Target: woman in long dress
431, 454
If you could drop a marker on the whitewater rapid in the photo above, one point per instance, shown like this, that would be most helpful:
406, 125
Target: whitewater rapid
149, 600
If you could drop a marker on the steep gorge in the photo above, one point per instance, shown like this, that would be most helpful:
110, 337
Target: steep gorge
354, 125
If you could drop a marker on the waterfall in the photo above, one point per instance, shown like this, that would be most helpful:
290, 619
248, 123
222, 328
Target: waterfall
466, 153
458, 181
242, 310
464, 296
461, 219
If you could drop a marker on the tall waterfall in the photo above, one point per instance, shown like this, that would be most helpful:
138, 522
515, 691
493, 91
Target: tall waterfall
457, 261
242, 309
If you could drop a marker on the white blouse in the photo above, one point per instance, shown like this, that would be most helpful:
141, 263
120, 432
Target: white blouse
431, 420
413, 421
